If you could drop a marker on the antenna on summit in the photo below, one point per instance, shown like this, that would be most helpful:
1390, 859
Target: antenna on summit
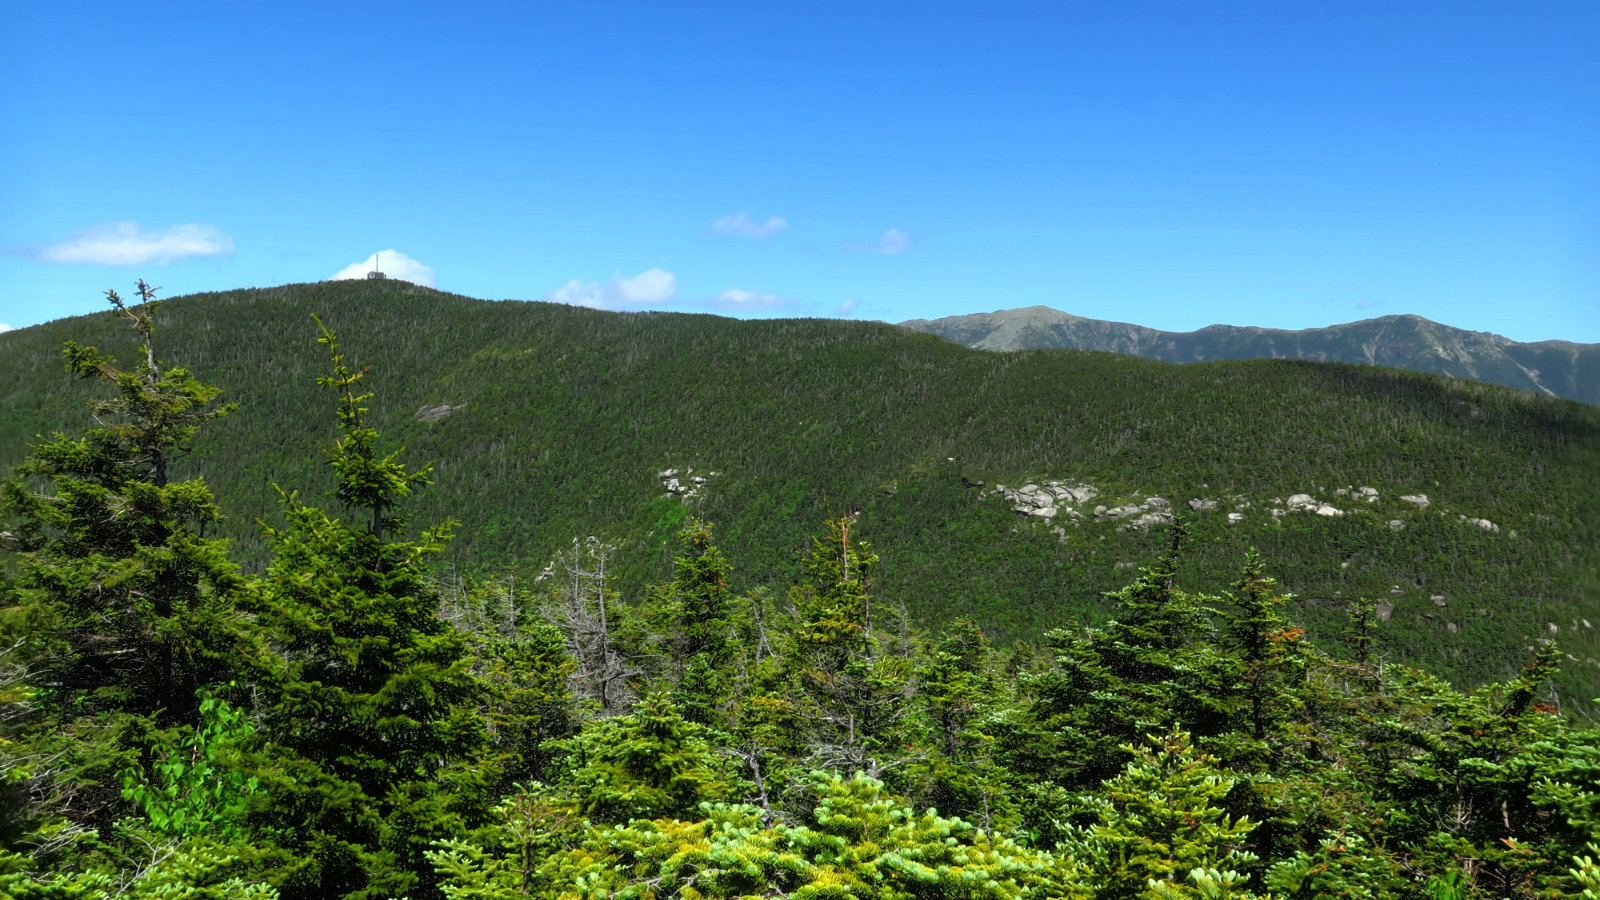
377, 267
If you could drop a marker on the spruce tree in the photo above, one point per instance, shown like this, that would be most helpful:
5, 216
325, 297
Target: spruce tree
1162, 819
1154, 667
1272, 660
134, 607
855, 693
648, 765
128, 609
371, 726
702, 640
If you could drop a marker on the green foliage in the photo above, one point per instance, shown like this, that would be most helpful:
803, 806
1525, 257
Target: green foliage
853, 689
371, 727
650, 765
1163, 818
191, 790
1157, 665
561, 417
391, 732
701, 630
193, 870
863, 844
131, 609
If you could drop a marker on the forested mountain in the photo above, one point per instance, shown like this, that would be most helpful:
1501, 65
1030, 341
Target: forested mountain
546, 423
364, 699
1556, 368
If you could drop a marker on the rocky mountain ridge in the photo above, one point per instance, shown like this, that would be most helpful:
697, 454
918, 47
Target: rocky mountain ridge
1554, 368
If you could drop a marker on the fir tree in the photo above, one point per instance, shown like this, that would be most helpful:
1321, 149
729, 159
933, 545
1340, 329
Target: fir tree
855, 693
127, 609
1162, 819
1272, 664
1155, 666
649, 765
133, 608
372, 723
702, 638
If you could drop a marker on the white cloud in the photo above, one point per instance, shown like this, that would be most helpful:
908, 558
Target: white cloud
652, 287
893, 241
394, 264
5, 328
844, 309
128, 244
738, 300
739, 223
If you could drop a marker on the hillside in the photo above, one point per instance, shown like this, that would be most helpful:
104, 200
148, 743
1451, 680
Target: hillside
547, 422
1555, 368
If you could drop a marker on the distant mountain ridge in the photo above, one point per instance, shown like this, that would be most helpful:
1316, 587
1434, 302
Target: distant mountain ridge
1556, 368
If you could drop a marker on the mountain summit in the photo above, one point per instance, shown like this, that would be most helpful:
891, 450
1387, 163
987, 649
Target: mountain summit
1557, 368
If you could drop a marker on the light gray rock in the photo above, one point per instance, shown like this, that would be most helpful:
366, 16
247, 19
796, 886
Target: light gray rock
1202, 505
1420, 501
1235, 518
435, 413
1302, 501
1145, 521
1326, 510
1385, 610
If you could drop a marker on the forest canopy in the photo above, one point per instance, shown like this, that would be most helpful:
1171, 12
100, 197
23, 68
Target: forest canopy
356, 718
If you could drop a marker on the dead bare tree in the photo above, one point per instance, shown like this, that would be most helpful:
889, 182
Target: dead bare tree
583, 606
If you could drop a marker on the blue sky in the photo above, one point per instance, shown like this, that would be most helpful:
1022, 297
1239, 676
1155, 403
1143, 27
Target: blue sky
1285, 164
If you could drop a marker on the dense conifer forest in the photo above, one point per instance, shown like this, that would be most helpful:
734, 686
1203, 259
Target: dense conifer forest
337, 690
546, 423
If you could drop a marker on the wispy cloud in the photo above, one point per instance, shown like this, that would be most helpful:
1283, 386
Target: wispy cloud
739, 223
893, 241
5, 328
392, 263
845, 309
739, 300
130, 244
652, 287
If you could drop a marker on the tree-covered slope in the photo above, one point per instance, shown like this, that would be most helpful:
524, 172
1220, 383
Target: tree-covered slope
1556, 368
561, 421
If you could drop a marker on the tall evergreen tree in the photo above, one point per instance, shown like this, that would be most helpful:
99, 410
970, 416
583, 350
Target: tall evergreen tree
128, 609
371, 725
702, 610
133, 607
856, 694
1155, 666
1272, 661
